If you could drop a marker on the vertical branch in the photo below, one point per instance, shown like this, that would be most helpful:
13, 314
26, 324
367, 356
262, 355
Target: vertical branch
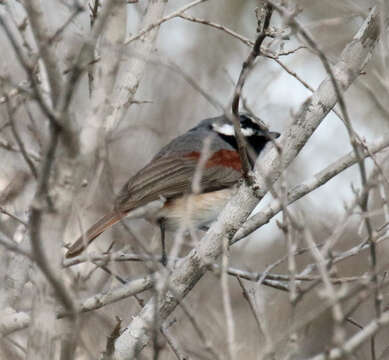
22, 148
110, 26
267, 11
42, 205
47, 52
291, 247
133, 70
93, 12
330, 292
231, 342
35, 227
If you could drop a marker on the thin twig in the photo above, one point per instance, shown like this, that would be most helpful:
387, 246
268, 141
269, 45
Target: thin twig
306, 187
19, 141
12, 216
164, 19
246, 68
217, 26
247, 297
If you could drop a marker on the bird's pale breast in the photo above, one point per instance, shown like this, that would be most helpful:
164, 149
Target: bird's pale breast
195, 210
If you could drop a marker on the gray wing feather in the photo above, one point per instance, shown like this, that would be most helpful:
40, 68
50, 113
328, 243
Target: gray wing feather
169, 177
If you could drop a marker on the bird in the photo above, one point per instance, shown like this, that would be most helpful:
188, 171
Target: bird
169, 176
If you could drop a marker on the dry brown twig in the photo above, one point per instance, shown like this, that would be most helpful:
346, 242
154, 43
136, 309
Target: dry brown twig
246, 68
247, 297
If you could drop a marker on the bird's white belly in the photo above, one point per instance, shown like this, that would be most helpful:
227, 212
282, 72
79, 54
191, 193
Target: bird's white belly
195, 210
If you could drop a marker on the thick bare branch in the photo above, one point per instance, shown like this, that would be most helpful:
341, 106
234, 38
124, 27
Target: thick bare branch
134, 70
47, 52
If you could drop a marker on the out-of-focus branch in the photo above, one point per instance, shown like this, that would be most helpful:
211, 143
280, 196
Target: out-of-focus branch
41, 203
20, 142
111, 94
256, 276
276, 281
247, 297
173, 343
39, 213
12, 216
361, 290
329, 290
10, 147
47, 52
13, 322
132, 71
58, 117
19, 321
29, 68
14, 187
306, 187
97, 301
191, 269
118, 256
357, 340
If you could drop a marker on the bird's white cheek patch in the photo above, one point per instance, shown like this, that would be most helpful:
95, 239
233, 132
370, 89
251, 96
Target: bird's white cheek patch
228, 130
225, 129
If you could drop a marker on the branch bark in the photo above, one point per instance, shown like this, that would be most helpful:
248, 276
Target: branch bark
47, 52
133, 71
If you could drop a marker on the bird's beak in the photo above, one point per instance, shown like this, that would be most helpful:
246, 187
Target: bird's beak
274, 134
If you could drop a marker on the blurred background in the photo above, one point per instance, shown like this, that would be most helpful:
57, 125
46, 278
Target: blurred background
169, 104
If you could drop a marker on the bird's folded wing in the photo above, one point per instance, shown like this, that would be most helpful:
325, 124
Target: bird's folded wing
164, 177
170, 177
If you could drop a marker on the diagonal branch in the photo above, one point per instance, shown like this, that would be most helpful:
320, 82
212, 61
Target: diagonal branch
300, 190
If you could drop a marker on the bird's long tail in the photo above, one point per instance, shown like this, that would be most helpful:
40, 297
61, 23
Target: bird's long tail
93, 232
